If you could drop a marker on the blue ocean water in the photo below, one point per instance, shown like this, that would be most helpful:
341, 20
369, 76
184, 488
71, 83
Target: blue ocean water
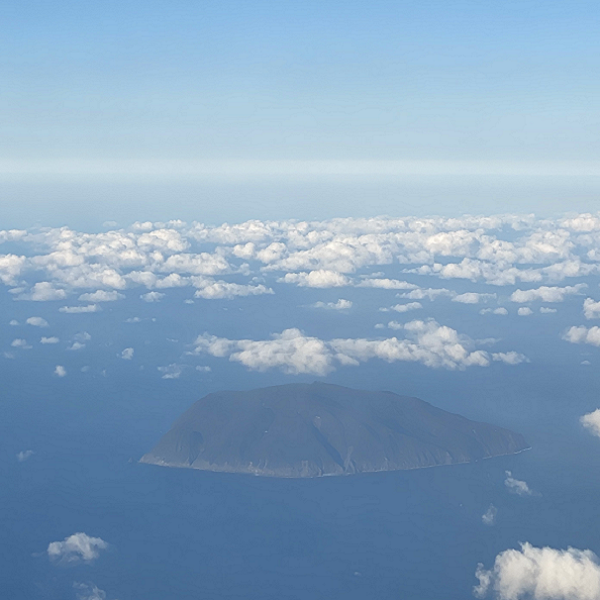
188, 535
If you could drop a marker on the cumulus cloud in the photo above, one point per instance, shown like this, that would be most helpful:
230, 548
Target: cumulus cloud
60, 371
591, 422
547, 311
540, 574
509, 358
37, 322
101, 296
489, 516
387, 284
49, 340
472, 297
152, 297
212, 290
127, 354
88, 591
321, 278
293, 352
402, 308
172, 371
74, 310
591, 309
546, 294
76, 548
583, 335
429, 293
494, 311
341, 304
516, 486
24, 455
44, 291
20, 343
524, 311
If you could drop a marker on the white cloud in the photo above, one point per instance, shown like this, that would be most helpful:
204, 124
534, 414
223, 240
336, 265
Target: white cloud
20, 343
516, 486
13, 322
24, 455
74, 310
541, 574
591, 422
211, 290
76, 346
546, 294
524, 311
44, 291
489, 516
387, 284
37, 322
509, 358
430, 293
494, 311
60, 371
127, 354
172, 371
547, 311
583, 335
101, 296
317, 279
591, 309
341, 304
472, 297
152, 297
88, 591
75, 548
293, 352
49, 340
402, 308
203, 369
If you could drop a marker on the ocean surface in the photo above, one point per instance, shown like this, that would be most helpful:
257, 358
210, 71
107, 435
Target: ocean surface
184, 534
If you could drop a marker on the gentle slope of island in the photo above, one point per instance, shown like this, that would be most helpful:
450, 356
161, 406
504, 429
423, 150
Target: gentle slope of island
313, 430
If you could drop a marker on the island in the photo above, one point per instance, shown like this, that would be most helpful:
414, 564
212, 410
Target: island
318, 429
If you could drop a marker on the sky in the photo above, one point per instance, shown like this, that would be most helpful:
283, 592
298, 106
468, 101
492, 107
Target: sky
289, 101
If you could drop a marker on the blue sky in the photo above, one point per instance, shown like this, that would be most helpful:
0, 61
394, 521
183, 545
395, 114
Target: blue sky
95, 89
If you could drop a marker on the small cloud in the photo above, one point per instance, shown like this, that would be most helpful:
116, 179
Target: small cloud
472, 297
203, 369
133, 320
24, 455
489, 517
14, 322
101, 296
402, 308
71, 310
591, 421
60, 371
188, 301
545, 310
494, 311
583, 335
587, 363
88, 591
172, 371
524, 311
591, 309
341, 304
127, 354
37, 322
76, 548
516, 486
509, 358
152, 297
44, 291
20, 343
76, 346
49, 340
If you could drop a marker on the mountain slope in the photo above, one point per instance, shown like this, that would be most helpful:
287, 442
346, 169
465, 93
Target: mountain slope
311, 430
